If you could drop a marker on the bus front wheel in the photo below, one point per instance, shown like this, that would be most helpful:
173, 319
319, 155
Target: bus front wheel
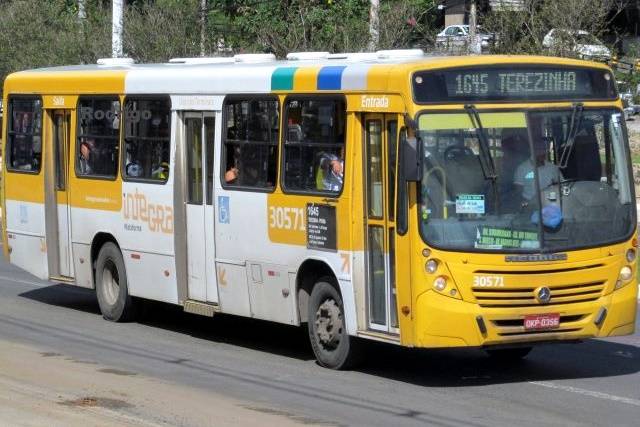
332, 345
111, 285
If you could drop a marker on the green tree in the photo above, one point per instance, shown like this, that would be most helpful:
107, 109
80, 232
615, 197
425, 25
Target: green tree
43, 34
409, 23
282, 26
163, 29
522, 30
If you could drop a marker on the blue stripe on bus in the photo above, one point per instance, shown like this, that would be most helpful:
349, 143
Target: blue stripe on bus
329, 78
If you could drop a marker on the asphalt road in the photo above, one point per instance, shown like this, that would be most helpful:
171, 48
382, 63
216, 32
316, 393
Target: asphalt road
269, 370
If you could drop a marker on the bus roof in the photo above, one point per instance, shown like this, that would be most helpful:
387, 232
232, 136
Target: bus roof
344, 73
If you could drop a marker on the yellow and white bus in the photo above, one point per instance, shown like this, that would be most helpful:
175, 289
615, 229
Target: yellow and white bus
479, 201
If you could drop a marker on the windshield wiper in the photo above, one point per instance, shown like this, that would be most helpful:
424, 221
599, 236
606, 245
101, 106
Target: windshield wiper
486, 160
576, 118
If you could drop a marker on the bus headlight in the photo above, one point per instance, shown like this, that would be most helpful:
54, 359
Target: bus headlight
440, 284
625, 275
631, 255
431, 266
445, 286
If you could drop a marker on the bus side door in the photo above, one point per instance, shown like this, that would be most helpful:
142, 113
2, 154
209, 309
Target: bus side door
380, 140
198, 145
58, 218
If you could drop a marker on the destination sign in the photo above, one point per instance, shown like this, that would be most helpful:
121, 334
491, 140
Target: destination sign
512, 84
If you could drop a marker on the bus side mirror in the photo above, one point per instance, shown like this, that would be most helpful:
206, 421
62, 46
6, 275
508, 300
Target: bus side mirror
410, 158
409, 170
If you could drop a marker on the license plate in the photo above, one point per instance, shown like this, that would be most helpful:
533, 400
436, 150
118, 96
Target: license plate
542, 321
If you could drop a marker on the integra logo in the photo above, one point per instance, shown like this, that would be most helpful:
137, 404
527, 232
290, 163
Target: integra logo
535, 258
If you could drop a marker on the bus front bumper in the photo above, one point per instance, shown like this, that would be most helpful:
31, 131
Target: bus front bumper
441, 321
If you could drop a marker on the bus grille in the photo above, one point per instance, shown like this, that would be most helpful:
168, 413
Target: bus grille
525, 297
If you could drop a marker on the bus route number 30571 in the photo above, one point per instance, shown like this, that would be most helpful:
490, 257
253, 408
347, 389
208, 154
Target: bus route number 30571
488, 281
286, 218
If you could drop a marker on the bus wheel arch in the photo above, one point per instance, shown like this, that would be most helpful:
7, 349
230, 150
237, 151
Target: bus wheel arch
110, 279
98, 241
308, 274
321, 305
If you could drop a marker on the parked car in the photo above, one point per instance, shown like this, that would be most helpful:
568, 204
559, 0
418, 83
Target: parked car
457, 38
627, 98
580, 42
628, 107
628, 112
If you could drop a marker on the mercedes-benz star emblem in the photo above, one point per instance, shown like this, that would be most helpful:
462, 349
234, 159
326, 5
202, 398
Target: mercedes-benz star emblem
543, 295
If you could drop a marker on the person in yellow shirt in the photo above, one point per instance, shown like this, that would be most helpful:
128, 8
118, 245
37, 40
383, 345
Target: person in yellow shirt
161, 172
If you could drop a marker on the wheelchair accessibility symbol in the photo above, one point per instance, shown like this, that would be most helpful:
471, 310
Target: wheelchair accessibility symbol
224, 216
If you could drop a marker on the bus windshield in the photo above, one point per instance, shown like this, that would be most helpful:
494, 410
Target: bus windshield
561, 180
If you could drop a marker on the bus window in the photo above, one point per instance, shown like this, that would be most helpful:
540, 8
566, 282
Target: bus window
250, 142
24, 149
209, 137
314, 145
147, 126
98, 136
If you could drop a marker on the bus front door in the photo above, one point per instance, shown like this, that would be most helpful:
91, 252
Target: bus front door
58, 218
199, 134
380, 141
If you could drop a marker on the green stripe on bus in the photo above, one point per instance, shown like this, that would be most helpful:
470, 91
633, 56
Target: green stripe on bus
282, 78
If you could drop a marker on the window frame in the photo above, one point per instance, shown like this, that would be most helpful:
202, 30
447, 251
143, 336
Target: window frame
285, 118
76, 151
192, 115
8, 145
123, 142
223, 145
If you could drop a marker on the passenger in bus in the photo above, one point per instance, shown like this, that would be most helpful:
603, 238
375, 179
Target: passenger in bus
244, 166
233, 161
251, 166
161, 171
24, 155
330, 172
134, 169
86, 160
231, 175
548, 173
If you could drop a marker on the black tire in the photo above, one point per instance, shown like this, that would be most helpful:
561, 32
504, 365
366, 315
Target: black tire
332, 346
509, 354
115, 302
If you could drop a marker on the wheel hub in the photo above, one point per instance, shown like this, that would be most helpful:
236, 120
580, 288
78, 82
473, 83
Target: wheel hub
329, 323
110, 282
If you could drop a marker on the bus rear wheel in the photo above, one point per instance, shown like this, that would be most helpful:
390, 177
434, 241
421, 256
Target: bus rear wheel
111, 285
332, 345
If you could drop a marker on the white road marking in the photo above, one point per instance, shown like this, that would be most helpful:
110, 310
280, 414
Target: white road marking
584, 392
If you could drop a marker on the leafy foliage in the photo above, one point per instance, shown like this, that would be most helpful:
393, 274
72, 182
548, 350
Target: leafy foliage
282, 26
522, 31
158, 31
47, 33
41, 34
